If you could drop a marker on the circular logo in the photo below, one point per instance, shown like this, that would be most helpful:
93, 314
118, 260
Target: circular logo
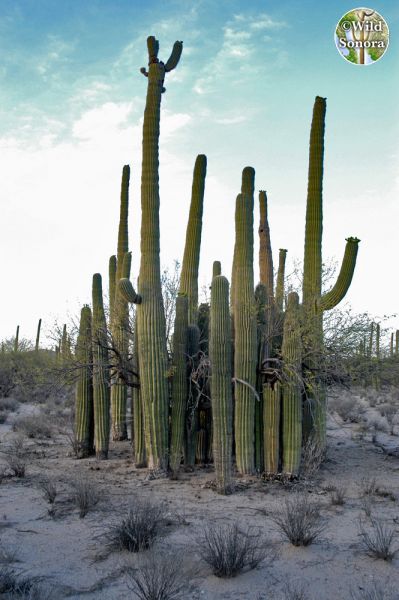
362, 36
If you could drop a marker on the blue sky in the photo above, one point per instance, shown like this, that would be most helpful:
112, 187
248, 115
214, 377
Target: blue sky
71, 104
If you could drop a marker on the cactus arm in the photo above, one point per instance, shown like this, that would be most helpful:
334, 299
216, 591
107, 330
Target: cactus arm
128, 292
282, 255
111, 286
123, 232
191, 257
153, 49
265, 249
16, 340
216, 268
337, 293
174, 58
39, 325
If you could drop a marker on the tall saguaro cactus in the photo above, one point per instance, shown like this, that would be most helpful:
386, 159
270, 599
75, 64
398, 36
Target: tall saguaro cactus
189, 271
291, 388
84, 423
222, 409
245, 326
282, 255
101, 394
150, 313
313, 301
119, 314
16, 340
179, 390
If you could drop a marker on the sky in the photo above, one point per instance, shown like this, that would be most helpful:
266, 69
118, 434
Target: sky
71, 106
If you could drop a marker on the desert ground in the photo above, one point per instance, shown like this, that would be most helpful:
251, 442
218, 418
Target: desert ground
49, 546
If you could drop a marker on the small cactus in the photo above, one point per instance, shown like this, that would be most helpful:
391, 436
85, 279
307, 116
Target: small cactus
84, 417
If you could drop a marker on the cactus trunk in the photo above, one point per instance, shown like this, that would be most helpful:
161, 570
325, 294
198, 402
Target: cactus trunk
222, 409
39, 326
84, 416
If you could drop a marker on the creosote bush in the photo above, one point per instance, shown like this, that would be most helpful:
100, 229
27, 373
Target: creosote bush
158, 577
299, 520
138, 529
228, 550
378, 541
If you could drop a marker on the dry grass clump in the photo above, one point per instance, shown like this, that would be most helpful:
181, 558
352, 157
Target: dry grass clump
49, 489
379, 540
16, 456
139, 528
33, 426
85, 495
390, 412
295, 591
228, 550
15, 587
299, 520
312, 458
337, 495
158, 577
373, 591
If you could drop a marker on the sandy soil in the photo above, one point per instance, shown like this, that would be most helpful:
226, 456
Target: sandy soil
69, 552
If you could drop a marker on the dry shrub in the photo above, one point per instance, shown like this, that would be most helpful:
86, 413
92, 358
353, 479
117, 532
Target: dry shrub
347, 407
373, 591
299, 520
139, 528
49, 489
15, 587
312, 458
16, 455
294, 591
228, 550
33, 426
8, 404
379, 540
368, 486
337, 495
85, 495
158, 577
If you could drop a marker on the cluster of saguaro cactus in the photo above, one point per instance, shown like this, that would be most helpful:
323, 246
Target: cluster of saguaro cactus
246, 372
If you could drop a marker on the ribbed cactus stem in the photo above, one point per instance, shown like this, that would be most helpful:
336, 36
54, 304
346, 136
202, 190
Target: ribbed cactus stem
337, 293
140, 458
265, 249
111, 286
291, 388
271, 427
179, 389
191, 256
397, 342
123, 232
128, 292
282, 255
84, 416
16, 340
37, 344
262, 303
222, 408
234, 271
245, 327
101, 393
216, 269
153, 357
203, 326
391, 346
377, 341
371, 340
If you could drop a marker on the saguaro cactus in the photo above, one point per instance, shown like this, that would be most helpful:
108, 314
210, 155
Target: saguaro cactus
282, 255
119, 315
190, 442
191, 257
140, 457
222, 409
313, 301
101, 394
16, 340
84, 416
39, 325
111, 286
271, 426
245, 327
292, 388
150, 313
179, 389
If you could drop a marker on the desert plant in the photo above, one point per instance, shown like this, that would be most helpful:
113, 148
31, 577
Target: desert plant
15, 586
138, 529
373, 591
368, 486
16, 456
295, 591
299, 520
33, 426
158, 577
337, 495
9, 404
85, 495
228, 550
49, 489
84, 417
379, 540
312, 458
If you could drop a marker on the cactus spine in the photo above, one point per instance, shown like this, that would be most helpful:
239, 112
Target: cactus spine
291, 388
101, 394
222, 409
150, 313
191, 257
244, 326
179, 390
312, 274
84, 423
37, 344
